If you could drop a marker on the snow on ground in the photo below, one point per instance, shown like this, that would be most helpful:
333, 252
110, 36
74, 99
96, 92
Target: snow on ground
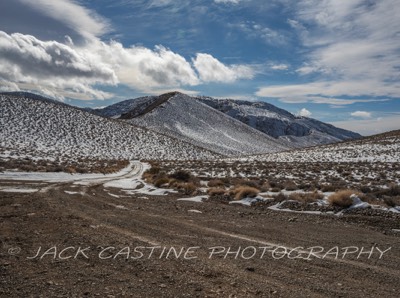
248, 201
194, 211
60, 176
277, 207
19, 190
197, 199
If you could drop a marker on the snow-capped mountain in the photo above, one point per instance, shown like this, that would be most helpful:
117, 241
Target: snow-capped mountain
42, 128
186, 118
278, 123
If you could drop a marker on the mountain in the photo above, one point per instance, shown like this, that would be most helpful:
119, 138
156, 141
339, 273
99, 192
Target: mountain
33, 126
278, 123
187, 118
378, 148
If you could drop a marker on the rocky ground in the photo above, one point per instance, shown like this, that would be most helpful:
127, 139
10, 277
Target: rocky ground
107, 242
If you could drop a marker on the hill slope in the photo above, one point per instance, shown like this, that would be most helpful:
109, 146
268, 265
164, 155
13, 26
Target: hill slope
378, 148
187, 118
279, 123
46, 129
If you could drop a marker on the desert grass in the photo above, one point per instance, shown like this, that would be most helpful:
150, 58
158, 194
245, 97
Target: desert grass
244, 192
342, 198
216, 191
306, 198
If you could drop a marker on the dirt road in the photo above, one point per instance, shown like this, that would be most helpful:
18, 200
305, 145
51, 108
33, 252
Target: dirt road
71, 240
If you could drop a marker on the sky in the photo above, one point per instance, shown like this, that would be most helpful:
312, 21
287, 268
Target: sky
337, 61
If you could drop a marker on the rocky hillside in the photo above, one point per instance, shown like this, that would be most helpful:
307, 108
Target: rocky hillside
279, 123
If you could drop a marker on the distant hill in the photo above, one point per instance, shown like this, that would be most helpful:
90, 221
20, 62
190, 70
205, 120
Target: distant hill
383, 147
278, 123
34, 126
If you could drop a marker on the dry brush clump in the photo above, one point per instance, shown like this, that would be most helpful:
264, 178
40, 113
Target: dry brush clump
216, 183
290, 185
343, 198
180, 180
216, 191
306, 198
392, 201
242, 192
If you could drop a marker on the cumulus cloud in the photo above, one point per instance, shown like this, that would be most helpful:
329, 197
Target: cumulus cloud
304, 113
361, 114
25, 59
65, 70
212, 70
143, 68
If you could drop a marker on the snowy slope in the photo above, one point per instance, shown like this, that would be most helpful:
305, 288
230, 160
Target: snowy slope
379, 148
45, 129
186, 118
278, 123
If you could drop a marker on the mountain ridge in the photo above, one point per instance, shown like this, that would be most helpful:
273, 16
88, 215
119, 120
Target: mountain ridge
291, 131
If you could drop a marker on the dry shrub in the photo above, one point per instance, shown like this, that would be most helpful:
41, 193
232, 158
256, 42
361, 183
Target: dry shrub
161, 181
215, 183
181, 176
153, 170
392, 201
309, 197
71, 170
265, 186
342, 198
275, 189
290, 185
280, 197
328, 187
244, 192
216, 191
246, 182
188, 188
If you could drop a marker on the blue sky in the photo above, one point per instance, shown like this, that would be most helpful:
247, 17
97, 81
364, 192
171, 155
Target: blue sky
336, 61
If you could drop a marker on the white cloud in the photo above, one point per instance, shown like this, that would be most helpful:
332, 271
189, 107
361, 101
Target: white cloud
257, 31
61, 70
51, 65
330, 92
281, 66
75, 16
361, 114
304, 113
212, 70
371, 126
142, 68
354, 45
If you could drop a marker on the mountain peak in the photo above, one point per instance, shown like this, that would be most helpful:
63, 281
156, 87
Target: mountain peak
148, 105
